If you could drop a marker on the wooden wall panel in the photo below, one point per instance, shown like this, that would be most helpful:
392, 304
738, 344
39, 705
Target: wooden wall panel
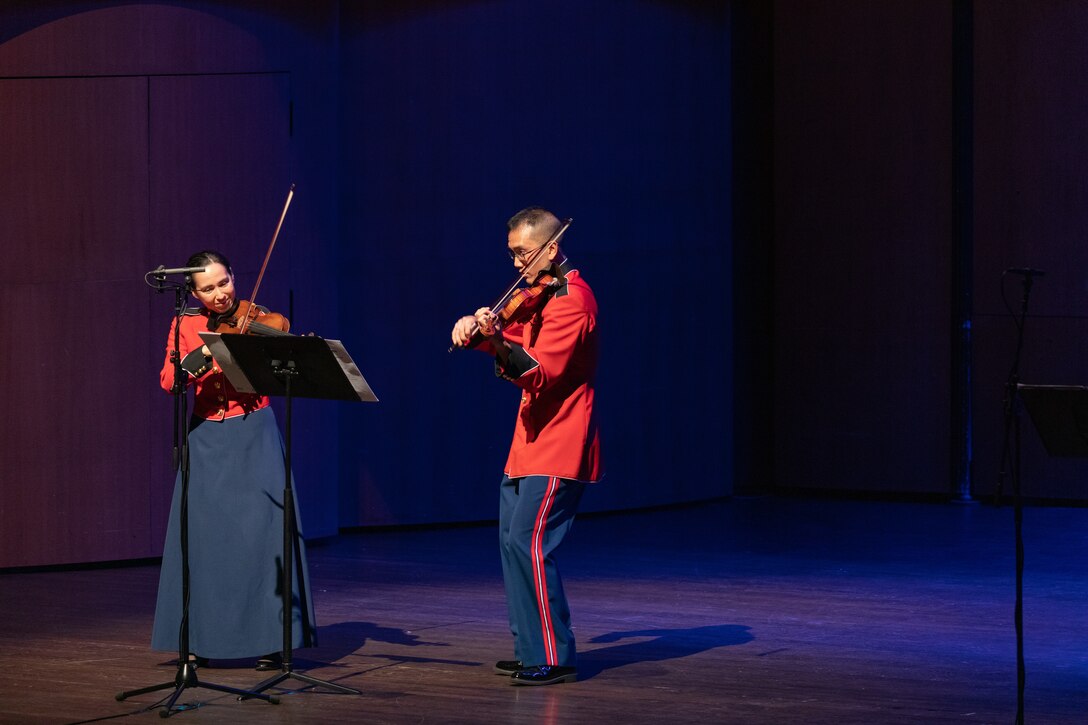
863, 168
1032, 152
221, 170
88, 207
1031, 171
74, 206
75, 181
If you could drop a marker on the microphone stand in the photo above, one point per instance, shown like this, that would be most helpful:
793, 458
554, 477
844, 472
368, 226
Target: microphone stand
186, 676
1010, 458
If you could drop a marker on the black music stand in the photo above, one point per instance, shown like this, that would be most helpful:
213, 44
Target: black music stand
289, 366
1060, 414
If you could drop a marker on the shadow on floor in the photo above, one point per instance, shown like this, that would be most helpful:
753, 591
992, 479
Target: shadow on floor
664, 644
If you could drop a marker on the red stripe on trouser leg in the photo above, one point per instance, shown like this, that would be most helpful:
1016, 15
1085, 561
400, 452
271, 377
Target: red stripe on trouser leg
540, 579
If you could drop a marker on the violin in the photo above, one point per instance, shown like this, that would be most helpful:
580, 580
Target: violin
518, 305
242, 318
524, 303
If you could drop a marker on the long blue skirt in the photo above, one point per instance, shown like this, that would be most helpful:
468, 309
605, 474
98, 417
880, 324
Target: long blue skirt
236, 486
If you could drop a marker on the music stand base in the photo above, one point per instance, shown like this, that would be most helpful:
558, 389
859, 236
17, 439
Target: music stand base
186, 678
289, 673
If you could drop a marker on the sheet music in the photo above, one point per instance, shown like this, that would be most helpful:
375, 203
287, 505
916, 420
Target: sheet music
233, 369
351, 371
226, 361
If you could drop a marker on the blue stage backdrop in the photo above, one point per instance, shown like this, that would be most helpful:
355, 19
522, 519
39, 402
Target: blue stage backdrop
453, 117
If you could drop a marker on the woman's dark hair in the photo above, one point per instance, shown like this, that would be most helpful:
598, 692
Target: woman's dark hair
203, 259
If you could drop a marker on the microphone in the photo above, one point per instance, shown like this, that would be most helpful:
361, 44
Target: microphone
1025, 271
162, 271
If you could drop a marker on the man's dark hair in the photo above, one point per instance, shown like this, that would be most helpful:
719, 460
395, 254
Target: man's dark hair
543, 223
530, 216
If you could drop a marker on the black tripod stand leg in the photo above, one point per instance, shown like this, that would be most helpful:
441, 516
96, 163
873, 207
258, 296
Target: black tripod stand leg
313, 681
322, 683
186, 678
243, 694
143, 690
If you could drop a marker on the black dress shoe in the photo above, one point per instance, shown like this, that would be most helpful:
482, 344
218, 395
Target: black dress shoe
508, 667
544, 675
269, 662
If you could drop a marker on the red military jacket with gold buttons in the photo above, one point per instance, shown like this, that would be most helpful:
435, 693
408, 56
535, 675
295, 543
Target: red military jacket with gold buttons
553, 359
216, 398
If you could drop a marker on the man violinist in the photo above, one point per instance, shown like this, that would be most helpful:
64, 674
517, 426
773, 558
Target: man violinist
551, 354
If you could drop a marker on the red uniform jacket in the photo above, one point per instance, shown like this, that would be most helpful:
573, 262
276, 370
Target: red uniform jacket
216, 398
553, 359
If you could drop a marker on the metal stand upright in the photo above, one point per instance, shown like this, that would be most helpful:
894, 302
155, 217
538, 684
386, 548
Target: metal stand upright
286, 371
1010, 459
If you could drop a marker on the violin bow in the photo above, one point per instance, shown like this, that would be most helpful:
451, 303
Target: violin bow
554, 238
502, 300
267, 256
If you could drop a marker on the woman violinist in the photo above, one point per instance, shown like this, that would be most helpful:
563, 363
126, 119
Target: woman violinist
235, 503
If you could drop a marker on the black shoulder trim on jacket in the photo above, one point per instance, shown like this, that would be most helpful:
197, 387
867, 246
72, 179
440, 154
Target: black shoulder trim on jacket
564, 269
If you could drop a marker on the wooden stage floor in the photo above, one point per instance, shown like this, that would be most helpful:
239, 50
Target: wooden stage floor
758, 610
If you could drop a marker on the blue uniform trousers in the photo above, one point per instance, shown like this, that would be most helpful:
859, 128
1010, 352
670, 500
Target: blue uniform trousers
535, 513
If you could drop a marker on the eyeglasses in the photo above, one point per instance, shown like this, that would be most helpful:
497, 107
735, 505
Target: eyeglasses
525, 254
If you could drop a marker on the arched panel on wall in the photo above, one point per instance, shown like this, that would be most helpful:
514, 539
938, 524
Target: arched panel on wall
136, 133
